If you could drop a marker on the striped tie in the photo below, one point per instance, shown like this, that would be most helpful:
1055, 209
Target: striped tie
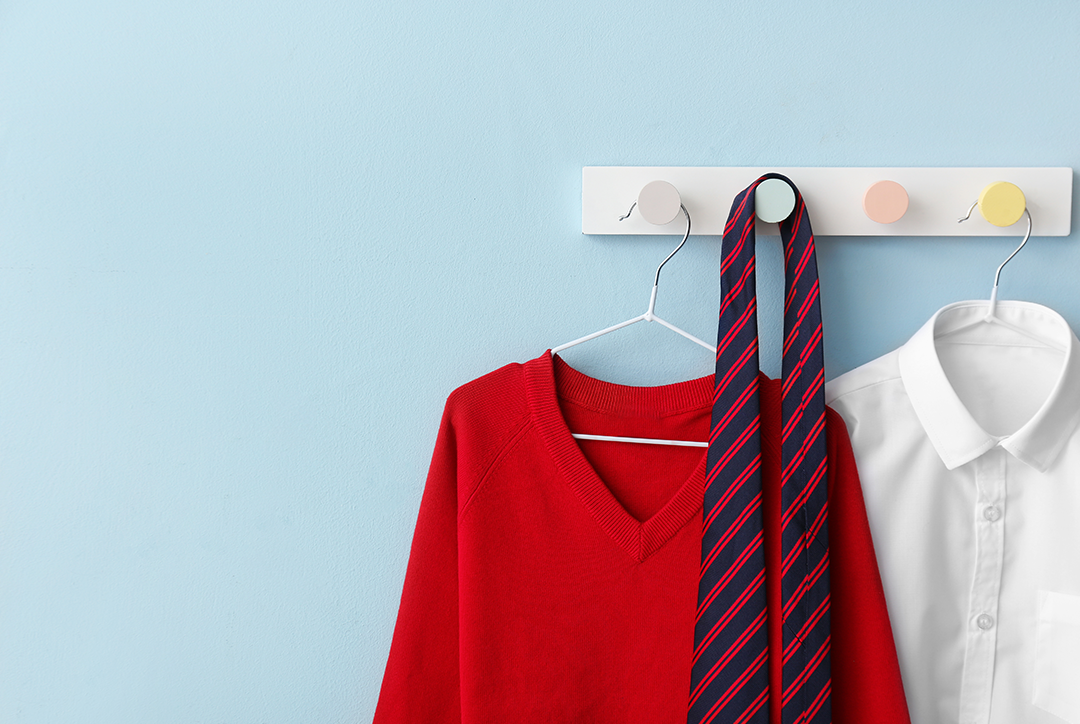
730, 681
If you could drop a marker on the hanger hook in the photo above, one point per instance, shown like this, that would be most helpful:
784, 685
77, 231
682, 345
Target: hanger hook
997, 274
959, 221
1027, 235
656, 279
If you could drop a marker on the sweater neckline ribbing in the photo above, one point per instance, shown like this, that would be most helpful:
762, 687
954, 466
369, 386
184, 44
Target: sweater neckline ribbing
547, 378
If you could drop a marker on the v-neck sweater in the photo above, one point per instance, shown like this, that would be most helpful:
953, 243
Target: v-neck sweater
533, 594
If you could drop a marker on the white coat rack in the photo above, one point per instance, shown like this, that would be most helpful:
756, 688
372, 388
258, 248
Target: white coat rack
842, 201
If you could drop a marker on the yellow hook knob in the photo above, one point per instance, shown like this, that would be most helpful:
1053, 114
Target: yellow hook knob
1002, 203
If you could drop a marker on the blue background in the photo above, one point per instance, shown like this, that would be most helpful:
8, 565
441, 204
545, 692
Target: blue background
247, 249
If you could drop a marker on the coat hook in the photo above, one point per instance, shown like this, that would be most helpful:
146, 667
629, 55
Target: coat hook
1001, 203
774, 200
885, 202
658, 202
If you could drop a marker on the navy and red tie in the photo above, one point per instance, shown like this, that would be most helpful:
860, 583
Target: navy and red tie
729, 680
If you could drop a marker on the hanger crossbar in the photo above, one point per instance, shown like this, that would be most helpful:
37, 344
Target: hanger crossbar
645, 440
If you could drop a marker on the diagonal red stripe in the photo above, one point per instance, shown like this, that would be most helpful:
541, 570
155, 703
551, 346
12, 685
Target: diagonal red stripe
737, 328
793, 285
804, 359
805, 585
739, 403
815, 384
791, 376
808, 579
803, 541
794, 326
793, 465
799, 637
822, 516
811, 438
733, 610
735, 291
754, 708
734, 568
732, 651
749, 354
737, 251
812, 295
807, 304
808, 397
744, 437
743, 198
750, 595
797, 323
792, 423
818, 702
793, 241
732, 529
796, 220
803, 494
736, 484
735, 688
810, 668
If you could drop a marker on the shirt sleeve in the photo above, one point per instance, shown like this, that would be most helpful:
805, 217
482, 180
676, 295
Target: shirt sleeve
866, 672
421, 682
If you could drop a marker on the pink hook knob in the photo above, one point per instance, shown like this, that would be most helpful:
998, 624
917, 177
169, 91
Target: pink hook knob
885, 202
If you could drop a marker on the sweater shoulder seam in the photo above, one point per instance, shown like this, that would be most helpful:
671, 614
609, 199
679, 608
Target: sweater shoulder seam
502, 452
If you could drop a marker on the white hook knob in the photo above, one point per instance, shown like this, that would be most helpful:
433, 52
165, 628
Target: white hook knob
659, 202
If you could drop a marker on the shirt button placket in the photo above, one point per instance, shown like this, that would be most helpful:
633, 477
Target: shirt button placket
981, 634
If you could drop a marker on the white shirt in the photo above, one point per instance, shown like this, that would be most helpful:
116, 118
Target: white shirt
969, 454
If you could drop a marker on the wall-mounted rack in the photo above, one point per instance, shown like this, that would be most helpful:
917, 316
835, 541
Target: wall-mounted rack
834, 197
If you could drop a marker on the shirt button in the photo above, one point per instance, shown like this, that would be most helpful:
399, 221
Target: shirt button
985, 622
992, 513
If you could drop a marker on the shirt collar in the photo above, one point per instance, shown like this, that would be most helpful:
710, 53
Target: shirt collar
955, 435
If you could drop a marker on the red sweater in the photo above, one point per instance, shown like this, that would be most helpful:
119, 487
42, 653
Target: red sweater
555, 580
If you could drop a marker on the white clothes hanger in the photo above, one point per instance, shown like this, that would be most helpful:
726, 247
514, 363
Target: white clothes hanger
655, 202
991, 317
650, 313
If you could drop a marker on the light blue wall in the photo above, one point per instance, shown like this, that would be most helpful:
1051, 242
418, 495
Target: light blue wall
247, 249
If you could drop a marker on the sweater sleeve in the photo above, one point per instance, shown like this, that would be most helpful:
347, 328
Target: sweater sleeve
866, 673
421, 682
